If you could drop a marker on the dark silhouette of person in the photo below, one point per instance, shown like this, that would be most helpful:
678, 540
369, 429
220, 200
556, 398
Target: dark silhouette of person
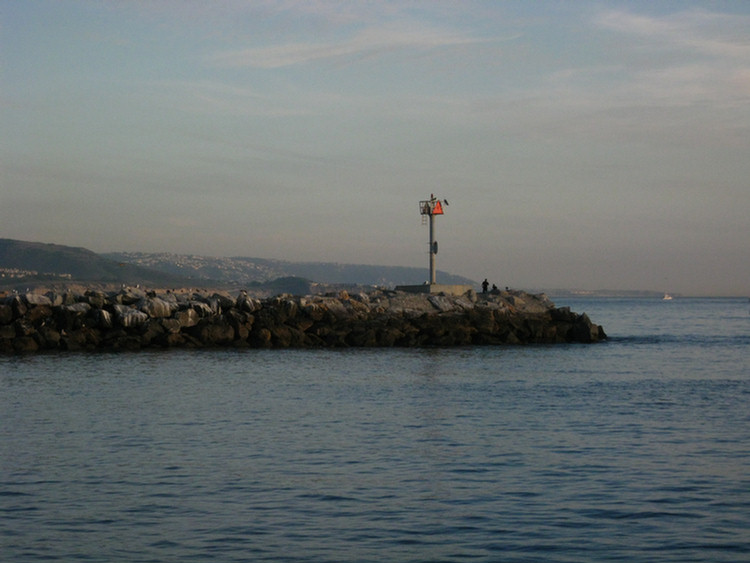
485, 285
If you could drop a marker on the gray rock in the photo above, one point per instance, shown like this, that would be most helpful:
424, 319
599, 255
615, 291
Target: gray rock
132, 318
6, 314
442, 303
157, 308
55, 298
78, 308
103, 318
188, 318
37, 299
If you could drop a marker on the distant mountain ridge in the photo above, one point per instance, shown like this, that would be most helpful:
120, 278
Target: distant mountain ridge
36, 262
26, 264
245, 270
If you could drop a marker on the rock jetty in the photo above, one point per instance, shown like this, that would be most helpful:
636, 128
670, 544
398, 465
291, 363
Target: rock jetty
133, 319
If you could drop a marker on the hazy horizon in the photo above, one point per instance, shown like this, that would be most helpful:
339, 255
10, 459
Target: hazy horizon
597, 145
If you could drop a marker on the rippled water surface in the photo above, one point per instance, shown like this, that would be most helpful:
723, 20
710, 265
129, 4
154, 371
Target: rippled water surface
637, 449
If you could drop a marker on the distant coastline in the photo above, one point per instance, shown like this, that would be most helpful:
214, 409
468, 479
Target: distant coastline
621, 293
28, 266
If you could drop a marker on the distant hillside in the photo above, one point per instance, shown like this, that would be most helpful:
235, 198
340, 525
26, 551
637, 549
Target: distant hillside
36, 262
30, 263
244, 270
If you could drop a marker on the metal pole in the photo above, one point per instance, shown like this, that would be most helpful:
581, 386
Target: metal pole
433, 270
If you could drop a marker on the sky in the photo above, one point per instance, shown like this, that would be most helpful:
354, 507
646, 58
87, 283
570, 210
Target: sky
583, 145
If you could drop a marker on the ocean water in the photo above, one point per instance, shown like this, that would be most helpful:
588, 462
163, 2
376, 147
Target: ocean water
637, 449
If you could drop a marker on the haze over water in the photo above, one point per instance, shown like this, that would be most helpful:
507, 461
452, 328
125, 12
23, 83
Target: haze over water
631, 450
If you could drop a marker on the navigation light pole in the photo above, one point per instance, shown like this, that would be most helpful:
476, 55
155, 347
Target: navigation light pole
430, 208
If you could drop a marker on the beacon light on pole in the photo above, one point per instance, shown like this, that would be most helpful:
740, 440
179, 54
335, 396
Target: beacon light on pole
430, 208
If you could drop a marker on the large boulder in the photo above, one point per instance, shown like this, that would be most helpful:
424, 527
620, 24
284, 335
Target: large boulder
157, 308
6, 313
130, 317
187, 317
37, 299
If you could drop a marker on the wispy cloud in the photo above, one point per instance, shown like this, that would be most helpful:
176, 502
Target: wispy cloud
366, 43
698, 31
696, 57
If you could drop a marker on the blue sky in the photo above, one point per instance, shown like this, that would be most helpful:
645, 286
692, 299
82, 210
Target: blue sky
580, 144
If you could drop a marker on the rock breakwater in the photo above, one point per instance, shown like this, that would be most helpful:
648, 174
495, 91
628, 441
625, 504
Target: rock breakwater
134, 319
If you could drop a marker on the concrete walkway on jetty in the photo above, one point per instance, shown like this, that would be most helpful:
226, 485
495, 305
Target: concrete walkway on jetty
133, 319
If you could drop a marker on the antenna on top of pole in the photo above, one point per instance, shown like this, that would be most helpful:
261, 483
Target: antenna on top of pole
430, 208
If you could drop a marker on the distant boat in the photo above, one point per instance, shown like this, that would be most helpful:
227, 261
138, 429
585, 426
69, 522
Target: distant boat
667, 297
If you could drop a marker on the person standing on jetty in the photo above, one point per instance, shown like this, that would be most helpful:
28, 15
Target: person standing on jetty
485, 285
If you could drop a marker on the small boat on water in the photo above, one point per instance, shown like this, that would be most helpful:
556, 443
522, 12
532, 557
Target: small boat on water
667, 297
